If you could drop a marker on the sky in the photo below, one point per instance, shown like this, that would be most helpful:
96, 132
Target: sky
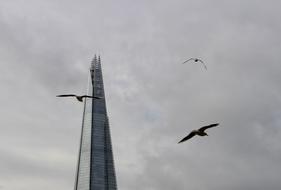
153, 100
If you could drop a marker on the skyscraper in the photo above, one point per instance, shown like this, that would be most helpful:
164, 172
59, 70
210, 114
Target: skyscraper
95, 168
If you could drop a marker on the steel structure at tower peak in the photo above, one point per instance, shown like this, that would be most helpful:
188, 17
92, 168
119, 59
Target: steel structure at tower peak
95, 168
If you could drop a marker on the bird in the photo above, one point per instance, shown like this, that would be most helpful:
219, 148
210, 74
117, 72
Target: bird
196, 60
200, 132
79, 98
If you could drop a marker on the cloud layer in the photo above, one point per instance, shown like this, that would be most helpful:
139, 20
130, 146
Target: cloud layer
153, 100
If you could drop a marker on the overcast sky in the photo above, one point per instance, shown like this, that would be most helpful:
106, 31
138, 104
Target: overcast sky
153, 100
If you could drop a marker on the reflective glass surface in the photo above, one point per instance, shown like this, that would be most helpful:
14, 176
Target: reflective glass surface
95, 170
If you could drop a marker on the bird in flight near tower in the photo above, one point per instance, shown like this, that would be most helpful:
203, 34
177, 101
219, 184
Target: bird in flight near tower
79, 98
196, 60
199, 132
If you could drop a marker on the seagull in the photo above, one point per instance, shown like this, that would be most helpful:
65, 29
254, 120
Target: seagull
79, 98
196, 60
200, 132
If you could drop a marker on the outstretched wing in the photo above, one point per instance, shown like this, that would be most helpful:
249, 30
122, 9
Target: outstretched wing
202, 129
188, 60
87, 96
191, 134
66, 95
202, 63
97, 97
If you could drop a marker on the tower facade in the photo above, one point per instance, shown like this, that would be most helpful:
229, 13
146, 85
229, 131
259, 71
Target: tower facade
95, 168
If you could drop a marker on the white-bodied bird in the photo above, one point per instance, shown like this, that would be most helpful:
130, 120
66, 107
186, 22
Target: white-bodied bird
200, 132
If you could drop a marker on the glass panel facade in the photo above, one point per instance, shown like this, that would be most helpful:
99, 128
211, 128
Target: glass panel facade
95, 170
83, 168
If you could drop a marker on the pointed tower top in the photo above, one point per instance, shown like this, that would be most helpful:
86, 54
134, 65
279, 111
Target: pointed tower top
94, 62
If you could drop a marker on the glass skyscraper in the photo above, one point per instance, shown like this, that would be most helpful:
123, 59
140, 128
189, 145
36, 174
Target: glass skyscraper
95, 168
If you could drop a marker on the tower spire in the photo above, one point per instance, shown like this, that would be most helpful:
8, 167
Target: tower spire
94, 61
95, 170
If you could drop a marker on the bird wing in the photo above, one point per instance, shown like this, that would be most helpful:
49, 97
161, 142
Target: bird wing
97, 97
87, 96
202, 129
202, 63
66, 95
188, 60
189, 136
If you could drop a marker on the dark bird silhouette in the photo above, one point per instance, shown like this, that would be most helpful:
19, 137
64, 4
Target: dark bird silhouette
196, 60
79, 98
200, 132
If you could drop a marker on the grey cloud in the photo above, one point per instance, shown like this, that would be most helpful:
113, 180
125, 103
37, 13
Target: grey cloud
153, 100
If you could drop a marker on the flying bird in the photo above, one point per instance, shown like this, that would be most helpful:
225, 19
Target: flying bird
200, 132
196, 60
79, 98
